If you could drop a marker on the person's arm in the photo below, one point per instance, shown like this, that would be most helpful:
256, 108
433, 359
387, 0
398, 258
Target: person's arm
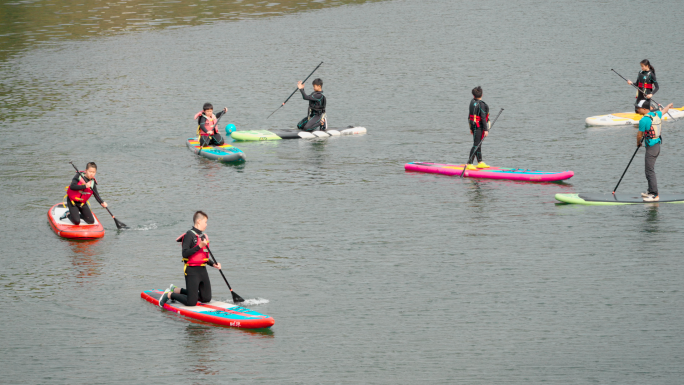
484, 112
96, 194
190, 246
74, 183
305, 96
640, 137
667, 108
656, 87
644, 124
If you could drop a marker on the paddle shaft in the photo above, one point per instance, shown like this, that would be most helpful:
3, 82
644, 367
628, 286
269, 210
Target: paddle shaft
293, 92
118, 224
470, 158
236, 297
642, 92
628, 164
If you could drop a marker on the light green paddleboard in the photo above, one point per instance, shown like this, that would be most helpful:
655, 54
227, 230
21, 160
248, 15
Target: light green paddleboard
615, 199
255, 135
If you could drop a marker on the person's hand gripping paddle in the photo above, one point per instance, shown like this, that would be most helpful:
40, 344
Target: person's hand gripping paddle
119, 225
470, 158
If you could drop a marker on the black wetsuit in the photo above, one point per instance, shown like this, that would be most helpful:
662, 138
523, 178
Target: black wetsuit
197, 284
216, 139
645, 77
316, 111
478, 119
77, 212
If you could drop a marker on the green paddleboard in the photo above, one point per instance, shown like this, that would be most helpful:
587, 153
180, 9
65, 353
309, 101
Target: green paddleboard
255, 135
615, 199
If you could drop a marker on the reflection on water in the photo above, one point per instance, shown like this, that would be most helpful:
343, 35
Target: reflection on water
85, 260
27, 22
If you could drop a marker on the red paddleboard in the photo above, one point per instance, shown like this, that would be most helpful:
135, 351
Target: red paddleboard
65, 229
215, 312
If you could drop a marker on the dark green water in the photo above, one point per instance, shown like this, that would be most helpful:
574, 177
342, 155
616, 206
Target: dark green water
373, 275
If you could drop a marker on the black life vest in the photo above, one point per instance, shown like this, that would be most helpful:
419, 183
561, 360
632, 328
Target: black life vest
474, 114
317, 107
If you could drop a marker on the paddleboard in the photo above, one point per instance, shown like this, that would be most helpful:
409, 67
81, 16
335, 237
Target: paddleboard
626, 118
599, 199
65, 229
259, 135
490, 173
223, 153
215, 312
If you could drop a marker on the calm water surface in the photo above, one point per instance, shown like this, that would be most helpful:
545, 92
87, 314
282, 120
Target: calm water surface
373, 275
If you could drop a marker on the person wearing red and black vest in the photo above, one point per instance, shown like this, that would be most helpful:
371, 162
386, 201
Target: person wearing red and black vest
195, 258
646, 83
649, 132
478, 121
82, 187
207, 127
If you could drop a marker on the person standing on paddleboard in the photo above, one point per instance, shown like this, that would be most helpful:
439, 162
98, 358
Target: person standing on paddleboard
646, 82
478, 120
82, 187
316, 116
206, 126
649, 132
195, 257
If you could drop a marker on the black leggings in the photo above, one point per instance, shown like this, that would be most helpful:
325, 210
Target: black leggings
197, 287
214, 139
478, 135
78, 212
311, 123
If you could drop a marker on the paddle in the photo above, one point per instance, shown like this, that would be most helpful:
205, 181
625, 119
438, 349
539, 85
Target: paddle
236, 297
470, 159
119, 225
643, 93
628, 164
199, 139
293, 92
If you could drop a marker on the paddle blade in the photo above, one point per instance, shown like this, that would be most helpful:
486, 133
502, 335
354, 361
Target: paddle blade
236, 297
120, 225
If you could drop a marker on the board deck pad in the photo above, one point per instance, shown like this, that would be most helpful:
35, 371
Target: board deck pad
215, 312
222, 153
617, 199
518, 174
627, 118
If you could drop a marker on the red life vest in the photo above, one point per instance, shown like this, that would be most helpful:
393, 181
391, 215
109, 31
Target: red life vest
199, 258
476, 119
209, 123
80, 196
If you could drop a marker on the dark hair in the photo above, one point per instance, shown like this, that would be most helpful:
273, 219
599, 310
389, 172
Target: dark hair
207, 106
198, 214
477, 92
91, 164
648, 63
318, 82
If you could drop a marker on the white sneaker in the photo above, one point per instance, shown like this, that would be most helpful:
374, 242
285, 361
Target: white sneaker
651, 198
644, 195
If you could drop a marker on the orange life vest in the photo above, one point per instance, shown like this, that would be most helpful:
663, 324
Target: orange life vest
209, 123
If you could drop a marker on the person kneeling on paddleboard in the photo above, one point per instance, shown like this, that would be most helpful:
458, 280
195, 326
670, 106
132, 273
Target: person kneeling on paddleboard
646, 83
316, 117
195, 256
82, 187
207, 125
649, 131
478, 120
